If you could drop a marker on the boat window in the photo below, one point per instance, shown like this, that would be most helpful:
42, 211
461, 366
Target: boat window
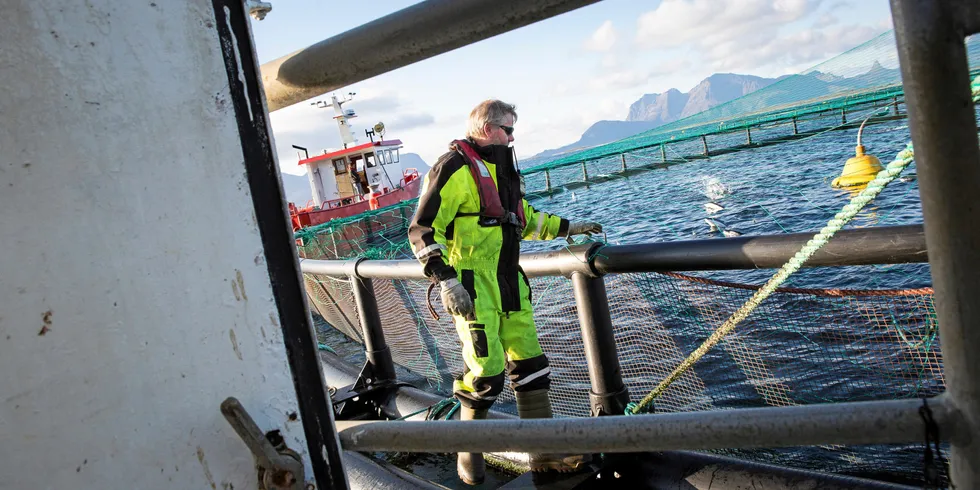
394, 155
369, 160
339, 166
385, 157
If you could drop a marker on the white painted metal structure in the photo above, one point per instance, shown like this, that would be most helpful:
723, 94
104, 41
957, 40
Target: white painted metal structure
138, 294
330, 178
134, 290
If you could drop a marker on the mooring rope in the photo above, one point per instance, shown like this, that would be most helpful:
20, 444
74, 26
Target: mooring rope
434, 411
848, 212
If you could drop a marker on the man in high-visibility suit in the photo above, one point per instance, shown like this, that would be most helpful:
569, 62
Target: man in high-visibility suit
466, 232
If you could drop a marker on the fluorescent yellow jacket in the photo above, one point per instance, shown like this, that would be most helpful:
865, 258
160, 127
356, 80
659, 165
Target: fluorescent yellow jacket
447, 236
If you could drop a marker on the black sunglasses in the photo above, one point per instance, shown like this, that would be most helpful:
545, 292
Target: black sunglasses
507, 129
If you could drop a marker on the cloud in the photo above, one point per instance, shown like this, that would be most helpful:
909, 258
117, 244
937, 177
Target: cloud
381, 104
840, 5
825, 20
747, 35
610, 61
603, 38
404, 122
714, 22
617, 80
807, 46
607, 109
626, 79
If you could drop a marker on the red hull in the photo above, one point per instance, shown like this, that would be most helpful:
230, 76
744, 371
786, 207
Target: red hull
313, 218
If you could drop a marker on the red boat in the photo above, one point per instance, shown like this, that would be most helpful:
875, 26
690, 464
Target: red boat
355, 179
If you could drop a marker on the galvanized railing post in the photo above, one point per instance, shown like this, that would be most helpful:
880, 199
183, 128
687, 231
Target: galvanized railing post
375, 348
936, 78
609, 394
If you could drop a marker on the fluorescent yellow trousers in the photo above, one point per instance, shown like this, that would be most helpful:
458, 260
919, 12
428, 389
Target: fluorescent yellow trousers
495, 341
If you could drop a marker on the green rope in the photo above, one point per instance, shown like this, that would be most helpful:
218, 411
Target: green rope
322, 346
633, 408
848, 212
435, 409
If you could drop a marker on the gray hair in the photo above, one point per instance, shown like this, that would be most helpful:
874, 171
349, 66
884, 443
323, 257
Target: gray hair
490, 111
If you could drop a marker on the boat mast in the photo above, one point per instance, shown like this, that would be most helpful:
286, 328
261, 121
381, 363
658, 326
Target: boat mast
342, 117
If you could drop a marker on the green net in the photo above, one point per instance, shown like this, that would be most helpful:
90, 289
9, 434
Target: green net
376, 234
851, 346
840, 93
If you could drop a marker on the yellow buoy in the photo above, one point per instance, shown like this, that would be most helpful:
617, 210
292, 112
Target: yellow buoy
859, 169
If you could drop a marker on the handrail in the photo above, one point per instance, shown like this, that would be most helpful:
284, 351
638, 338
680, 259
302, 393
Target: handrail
878, 245
873, 422
412, 34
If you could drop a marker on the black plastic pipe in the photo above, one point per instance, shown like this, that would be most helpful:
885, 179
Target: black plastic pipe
375, 347
608, 395
882, 245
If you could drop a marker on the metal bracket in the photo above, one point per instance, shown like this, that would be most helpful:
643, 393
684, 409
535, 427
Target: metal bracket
364, 396
609, 403
279, 468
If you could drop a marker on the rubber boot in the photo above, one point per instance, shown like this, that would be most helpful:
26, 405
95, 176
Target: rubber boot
470, 466
536, 405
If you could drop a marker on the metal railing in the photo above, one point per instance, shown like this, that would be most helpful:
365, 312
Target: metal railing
934, 67
932, 55
842, 423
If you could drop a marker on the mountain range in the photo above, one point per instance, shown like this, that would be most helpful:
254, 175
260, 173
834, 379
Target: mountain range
654, 110
657, 109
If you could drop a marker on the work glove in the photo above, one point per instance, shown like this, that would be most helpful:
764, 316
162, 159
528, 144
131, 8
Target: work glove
584, 228
456, 298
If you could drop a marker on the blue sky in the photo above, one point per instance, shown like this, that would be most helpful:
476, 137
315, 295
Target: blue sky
564, 73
